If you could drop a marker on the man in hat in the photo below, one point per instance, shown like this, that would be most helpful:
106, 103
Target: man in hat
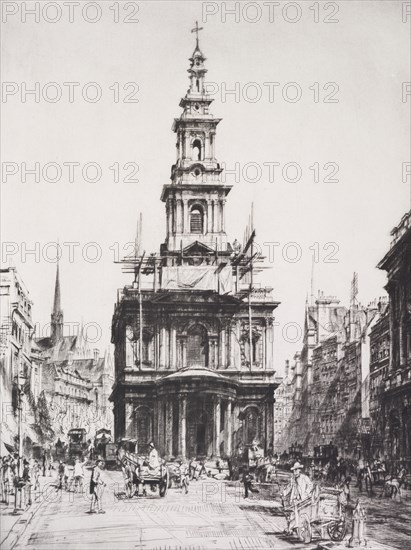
299, 488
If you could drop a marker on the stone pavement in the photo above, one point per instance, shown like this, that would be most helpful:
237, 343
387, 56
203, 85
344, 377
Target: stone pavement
13, 525
214, 515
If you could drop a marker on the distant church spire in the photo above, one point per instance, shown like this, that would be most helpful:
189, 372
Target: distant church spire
57, 314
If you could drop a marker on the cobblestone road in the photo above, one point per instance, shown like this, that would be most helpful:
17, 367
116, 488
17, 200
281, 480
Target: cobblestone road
212, 516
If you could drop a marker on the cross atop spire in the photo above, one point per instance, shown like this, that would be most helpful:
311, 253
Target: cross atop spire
197, 29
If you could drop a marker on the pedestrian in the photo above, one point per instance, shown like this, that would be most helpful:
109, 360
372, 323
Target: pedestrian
248, 483
345, 487
27, 482
6, 479
96, 488
298, 489
79, 475
91, 450
68, 477
60, 475
128, 479
153, 458
35, 474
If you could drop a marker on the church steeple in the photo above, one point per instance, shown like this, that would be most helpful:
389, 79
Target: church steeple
195, 198
57, 314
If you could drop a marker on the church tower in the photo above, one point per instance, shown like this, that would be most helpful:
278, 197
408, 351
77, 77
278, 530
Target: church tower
193, 334
195, 198
57, 314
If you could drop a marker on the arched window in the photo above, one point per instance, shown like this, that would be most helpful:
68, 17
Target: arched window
196, 220
197, 347
197, 150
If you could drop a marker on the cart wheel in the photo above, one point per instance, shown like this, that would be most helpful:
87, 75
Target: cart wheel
304, 532
163, 485
337, 530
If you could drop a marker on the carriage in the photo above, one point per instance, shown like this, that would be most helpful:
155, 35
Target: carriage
158, 478
324, 511
77, 443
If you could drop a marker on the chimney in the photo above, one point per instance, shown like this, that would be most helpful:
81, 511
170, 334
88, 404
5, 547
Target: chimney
96, 354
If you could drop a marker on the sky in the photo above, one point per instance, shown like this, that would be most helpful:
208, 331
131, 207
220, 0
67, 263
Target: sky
315, 135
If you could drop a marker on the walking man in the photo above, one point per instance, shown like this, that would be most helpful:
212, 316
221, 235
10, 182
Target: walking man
96, 488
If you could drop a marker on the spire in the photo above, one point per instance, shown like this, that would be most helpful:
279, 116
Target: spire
57, 314
57, 293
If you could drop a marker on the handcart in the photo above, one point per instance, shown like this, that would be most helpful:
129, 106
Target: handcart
322, 512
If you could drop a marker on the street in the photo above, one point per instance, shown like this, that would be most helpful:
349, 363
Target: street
213, 514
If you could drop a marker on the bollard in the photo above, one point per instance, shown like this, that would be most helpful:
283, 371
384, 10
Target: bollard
358, 524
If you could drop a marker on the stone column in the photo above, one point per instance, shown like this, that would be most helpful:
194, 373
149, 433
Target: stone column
229, 427
169, 429
167, 348
264, 341
215, 217
215, 352
207, 152
174, 216
187, 153
182, 426
184, 346
159, 406
180, 221
129, 420
269, 414
162, 347
269, 343
173, 348
185, 216
214, 221
232, 359
209, 217
237, 347
222, 216
169, 217
217, 419
222, 347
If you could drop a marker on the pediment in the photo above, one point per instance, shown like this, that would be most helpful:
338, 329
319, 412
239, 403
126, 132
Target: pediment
197, 248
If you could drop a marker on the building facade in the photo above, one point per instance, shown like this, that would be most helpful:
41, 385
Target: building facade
333, 405
282, 410
20, 371
193, 335
396, 397
379, 367
76, 381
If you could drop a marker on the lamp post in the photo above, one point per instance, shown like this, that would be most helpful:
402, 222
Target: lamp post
18, 481
21, 380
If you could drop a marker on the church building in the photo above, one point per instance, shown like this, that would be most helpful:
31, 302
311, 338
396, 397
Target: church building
193, 333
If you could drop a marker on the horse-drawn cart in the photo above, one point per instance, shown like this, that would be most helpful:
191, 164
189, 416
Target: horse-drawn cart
143, 475
322, 512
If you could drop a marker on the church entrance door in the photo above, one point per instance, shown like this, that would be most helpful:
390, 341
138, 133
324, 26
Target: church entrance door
197, 433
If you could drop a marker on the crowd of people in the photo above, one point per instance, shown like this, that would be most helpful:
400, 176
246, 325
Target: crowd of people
19, 478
